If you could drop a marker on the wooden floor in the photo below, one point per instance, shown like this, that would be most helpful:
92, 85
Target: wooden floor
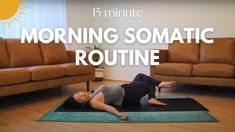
19, 113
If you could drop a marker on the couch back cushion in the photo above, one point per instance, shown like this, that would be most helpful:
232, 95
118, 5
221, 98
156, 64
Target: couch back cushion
54, 53
221, 51
4, 62
183, 52
26, 54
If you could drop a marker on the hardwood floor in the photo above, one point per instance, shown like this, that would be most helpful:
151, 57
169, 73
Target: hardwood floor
19, 113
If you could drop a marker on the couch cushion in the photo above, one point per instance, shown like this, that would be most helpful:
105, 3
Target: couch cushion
221, 51
73, 70
54, 53
39, 73
183, 52
4, 62
174, 69
213, 70
23, 54
10, 76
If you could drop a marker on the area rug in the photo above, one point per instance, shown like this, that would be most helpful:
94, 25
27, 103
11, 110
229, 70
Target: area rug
179, 109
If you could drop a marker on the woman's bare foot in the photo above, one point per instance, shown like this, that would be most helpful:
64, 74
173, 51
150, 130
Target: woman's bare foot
153, 101
167, 84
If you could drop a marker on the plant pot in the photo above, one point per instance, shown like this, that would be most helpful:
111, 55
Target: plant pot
99, 74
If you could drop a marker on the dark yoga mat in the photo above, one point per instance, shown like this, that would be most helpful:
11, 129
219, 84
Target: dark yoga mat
173, 104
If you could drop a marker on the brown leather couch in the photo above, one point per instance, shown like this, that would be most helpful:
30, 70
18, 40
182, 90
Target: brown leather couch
202, 64
31, 67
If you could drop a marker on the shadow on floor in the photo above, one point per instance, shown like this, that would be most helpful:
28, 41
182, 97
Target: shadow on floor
32, 97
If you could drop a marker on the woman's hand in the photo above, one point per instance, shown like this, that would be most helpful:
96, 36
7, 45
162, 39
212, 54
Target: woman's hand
96, 104
123, 116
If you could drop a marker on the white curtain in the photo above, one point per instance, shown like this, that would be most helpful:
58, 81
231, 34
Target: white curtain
39, 14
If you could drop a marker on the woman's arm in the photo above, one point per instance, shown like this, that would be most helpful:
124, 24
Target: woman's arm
95, 104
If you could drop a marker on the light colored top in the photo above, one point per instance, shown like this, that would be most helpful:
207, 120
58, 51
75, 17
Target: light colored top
112, 94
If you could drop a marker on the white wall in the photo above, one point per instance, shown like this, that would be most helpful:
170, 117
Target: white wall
157, 13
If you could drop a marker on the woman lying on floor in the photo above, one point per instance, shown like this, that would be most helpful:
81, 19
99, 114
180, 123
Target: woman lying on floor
126, 95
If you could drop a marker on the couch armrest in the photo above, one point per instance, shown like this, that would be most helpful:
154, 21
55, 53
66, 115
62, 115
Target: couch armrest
163, 57
72, 55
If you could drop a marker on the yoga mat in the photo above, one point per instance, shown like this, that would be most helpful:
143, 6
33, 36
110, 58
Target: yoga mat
173, 104
141, 117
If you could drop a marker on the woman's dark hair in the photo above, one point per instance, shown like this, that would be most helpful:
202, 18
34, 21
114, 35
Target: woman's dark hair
70, 102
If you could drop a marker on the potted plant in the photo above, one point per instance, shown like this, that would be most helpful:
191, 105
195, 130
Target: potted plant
99, 70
